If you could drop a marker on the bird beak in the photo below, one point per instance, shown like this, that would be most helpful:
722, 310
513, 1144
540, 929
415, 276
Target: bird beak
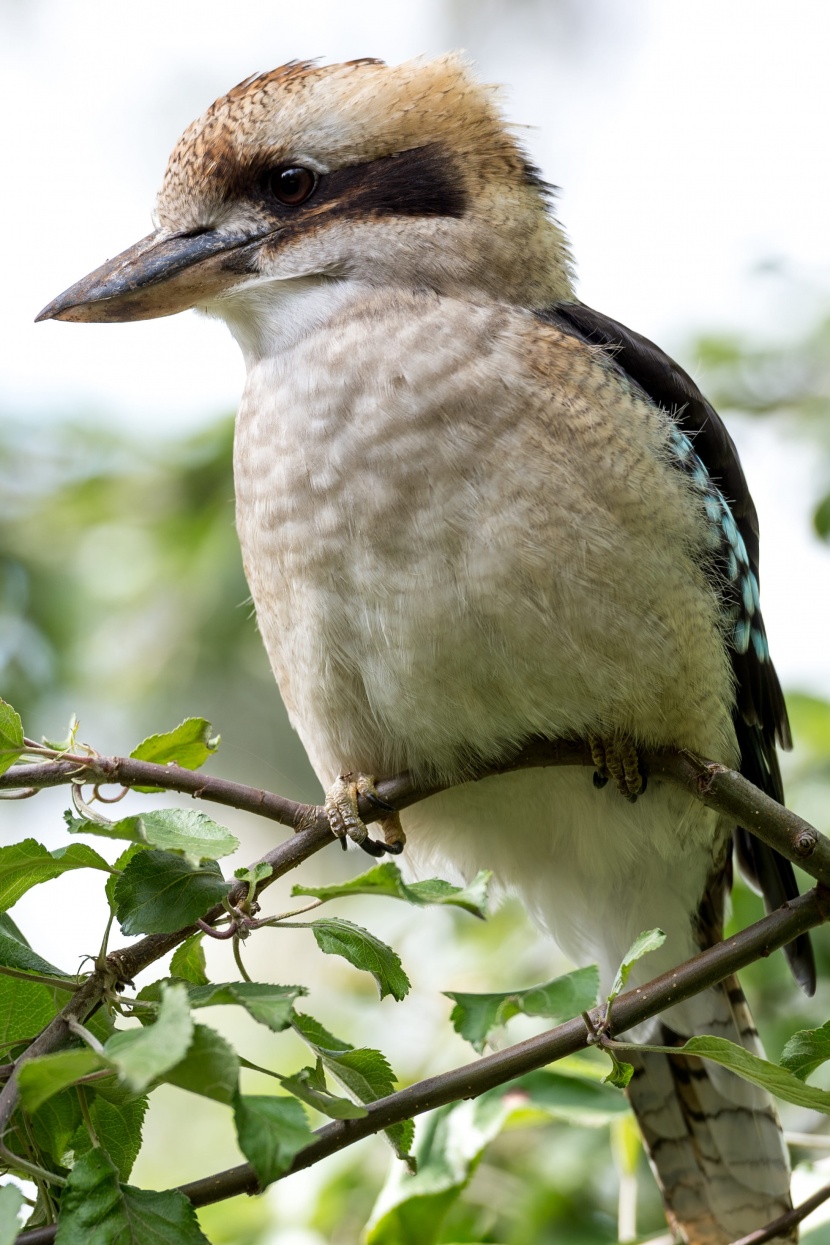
160, 275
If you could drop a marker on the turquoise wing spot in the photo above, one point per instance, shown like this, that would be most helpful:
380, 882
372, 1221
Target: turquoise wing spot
723, 535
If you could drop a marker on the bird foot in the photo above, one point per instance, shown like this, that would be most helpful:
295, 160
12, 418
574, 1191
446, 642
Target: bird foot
341, 806
617, 758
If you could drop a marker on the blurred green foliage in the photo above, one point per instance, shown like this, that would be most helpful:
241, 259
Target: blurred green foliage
122, 598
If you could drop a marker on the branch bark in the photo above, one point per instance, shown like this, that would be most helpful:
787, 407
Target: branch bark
719, 788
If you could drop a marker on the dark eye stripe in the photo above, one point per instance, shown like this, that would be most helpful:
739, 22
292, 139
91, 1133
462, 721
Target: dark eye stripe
421, 182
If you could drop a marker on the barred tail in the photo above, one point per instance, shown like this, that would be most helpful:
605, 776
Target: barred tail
714, 1141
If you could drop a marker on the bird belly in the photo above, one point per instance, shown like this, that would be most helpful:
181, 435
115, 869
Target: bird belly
444, 565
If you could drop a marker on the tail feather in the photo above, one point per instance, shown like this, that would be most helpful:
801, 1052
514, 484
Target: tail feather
714, 1141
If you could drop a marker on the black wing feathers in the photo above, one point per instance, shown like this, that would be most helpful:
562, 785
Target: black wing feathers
760, 714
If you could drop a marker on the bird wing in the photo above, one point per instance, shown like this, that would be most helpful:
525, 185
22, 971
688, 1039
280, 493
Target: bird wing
760, 714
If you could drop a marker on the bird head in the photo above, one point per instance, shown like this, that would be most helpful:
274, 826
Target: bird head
386, 175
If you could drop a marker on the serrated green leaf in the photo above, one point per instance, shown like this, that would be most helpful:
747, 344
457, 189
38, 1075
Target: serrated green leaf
54, 1124
648, 941
271, 1131
38, 1079
118, 1127
159, 892
189, 831
26, 1008
24, 865
188, 745
363, 1072
188, 961
97, 1210
317, 1036
770, 1076
258, 873
19, 955
268, 1004
11, 736
338, 937
476, 1015
184, 830
119, 867
11, 1200
143, 1055
309, 1085
210, 1067
411, 1208
806, 1051
620, 1074
386, 880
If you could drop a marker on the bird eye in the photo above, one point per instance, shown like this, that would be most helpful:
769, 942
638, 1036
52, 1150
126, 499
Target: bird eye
292, 186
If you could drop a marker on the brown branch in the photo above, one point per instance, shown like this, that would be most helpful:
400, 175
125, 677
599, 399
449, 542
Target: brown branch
717, 787
784, 1222
632, 1008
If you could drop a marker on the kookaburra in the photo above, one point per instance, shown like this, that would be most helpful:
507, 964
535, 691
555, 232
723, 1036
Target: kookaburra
474, 511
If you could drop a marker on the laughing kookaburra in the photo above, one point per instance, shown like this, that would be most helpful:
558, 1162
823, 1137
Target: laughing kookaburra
473, 512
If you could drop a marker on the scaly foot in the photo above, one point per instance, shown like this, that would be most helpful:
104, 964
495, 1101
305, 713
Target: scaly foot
341, 805
618, 758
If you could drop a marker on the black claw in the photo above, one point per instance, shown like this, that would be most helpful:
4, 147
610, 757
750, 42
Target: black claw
394, 849
632, 799
600, 780
343, 844
373, 847
644, 777
376, 800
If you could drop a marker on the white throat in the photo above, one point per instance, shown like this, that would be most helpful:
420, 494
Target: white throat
269, 316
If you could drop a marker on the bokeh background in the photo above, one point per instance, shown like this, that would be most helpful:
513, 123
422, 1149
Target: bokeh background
689, 141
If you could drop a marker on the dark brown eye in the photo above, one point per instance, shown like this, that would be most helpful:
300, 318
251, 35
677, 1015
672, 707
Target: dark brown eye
292, 186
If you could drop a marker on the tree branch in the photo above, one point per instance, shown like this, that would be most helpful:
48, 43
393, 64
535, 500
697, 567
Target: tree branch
719, 788
630, 1009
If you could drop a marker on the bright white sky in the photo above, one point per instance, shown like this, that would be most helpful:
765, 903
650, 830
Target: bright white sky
689, 137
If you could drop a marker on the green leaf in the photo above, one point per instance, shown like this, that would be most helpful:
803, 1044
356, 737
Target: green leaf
268, 1004
26, 1008
806, 1051
411, 1208
210, 1067
309, 1085
648, 941
363, 1072
38, 1079
386, 880
143, 1055
24, 865
119, 867
188, 961
54, 1125
11, 736
184, 830
158, 892
11, 1200
620, 1074
8, 927
97, 1210
271, 1131
476, 1015
338, 937
258, 873
118, 1127
777, 1080
188, 745
16, 954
